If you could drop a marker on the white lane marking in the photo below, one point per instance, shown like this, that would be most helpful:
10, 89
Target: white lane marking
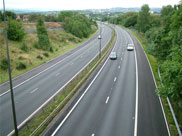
107, 99
93, 134
60, 125
119, 67
121, 59
57, 74
156, 87
136, 103
115, 79
34, 90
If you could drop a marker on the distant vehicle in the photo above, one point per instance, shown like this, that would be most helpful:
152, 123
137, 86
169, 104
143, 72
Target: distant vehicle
99, 37
113, 56
130, 47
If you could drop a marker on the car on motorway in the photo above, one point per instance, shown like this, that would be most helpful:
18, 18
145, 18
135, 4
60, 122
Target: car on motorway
113, 56
130, 47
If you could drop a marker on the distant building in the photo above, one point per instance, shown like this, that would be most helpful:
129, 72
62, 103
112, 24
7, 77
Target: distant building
25, 17
18, 17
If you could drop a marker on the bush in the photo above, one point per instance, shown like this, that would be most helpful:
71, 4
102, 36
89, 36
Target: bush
15, 30
24, 47
4, 64
46, 54
39, 57
21, 58
21, 66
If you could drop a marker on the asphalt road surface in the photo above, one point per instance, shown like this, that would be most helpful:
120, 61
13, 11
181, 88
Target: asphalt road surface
32, 93
120, 101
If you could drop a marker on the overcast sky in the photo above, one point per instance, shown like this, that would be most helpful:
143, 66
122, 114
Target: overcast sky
82, 4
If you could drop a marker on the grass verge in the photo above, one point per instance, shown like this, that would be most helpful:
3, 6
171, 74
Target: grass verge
61, 42
63, 98
154, 64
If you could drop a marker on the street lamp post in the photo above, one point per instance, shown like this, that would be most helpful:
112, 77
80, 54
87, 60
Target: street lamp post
100, 40
10, 79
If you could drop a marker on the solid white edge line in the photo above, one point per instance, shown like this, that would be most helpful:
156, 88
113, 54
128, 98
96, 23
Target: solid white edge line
60, 125
136, 103
107, 99
156, 87
41, 71
22, 123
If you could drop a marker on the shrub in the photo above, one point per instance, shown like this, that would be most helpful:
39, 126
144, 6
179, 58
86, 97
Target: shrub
39, 57
21, 58
15, 30
4, 64
24, 47
21, 66
46, 54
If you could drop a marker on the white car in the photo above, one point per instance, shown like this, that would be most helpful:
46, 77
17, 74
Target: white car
99, 37
130, 47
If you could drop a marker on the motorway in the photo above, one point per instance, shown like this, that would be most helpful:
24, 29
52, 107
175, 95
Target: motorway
120, 100
35, 91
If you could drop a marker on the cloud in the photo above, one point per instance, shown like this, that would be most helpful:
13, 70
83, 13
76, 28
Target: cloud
83, 4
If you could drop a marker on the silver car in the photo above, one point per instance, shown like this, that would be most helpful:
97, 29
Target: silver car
113, 56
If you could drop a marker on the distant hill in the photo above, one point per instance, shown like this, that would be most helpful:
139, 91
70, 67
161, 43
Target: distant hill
116, 9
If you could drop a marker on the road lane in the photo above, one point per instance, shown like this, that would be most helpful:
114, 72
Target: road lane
108, 107
47, 84
113, 86
151, 120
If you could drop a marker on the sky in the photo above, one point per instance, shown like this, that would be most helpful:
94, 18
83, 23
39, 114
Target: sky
82, 4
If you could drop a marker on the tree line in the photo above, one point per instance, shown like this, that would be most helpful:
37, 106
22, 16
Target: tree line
163, 33
73, 22
77, 24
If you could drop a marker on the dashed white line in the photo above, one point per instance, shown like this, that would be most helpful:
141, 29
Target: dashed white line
107, 99
119, 67
121, 59
115, 79
34, 90
93, 134
57, 74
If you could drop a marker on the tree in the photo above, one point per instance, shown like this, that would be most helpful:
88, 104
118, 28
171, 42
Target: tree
131, 19
176, 26
143, 19
75, 23
43, 38
33, 17
171, 73
1, 16
15, 30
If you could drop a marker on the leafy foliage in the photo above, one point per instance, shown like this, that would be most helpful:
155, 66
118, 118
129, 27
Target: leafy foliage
1, 16
143, 19
9, 15
4, 64
15, 30
43, 38
75, 23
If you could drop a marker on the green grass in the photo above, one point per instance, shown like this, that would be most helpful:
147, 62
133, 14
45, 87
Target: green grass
61, 42
68, 93
154, 64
